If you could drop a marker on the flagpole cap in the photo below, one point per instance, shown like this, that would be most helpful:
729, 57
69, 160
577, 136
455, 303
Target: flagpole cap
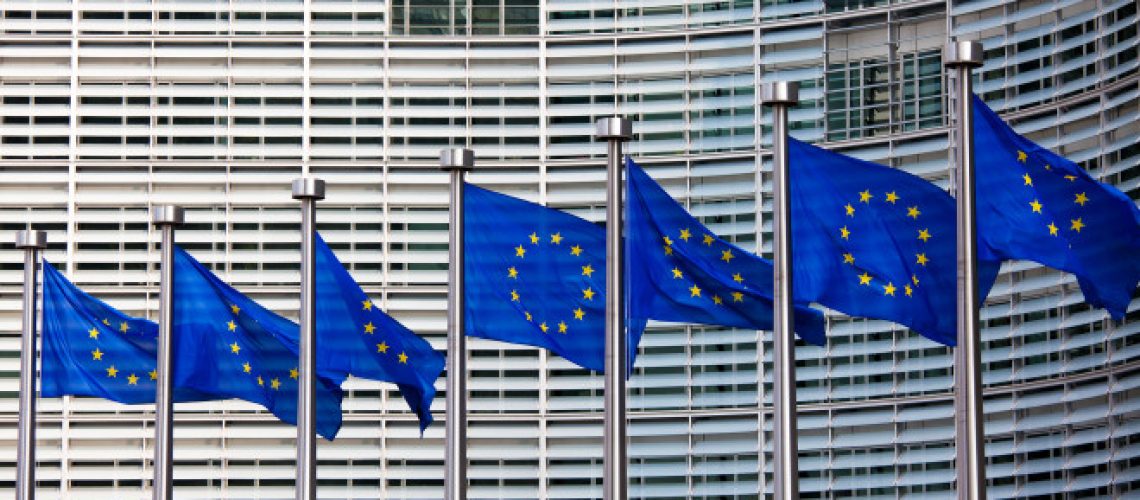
780, 93
613, 128
31, 239
461, 159
167, 215
961, 53
308, 188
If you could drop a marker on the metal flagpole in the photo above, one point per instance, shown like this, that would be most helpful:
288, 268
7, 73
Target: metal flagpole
614, 130
962, 57
166, 217
31, 242
308, 190
458, 162
780, 96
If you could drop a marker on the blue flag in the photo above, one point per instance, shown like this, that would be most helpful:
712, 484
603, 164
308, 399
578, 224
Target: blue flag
226, 344
1036, 205
681, 271
873, 241
535, 276
92, 349
355, 337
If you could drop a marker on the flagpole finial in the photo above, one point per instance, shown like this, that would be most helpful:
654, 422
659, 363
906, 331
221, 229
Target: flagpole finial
308, 187
613, 128
962, 53
462, 159
781, 92
164, 215
31, 239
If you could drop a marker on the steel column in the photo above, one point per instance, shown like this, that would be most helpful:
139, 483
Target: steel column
457, 162
166, 217
31, 242
308, 190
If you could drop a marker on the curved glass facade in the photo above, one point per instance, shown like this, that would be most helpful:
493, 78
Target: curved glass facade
109, 107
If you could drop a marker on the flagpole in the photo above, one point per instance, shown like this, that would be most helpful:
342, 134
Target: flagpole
31, 242
780, 96
962, 57
456, 161
166, 217
614, 130
308, 190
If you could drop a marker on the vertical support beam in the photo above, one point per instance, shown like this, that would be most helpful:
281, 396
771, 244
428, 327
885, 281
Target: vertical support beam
615, 478
780, 96
308, 190
31, 242
970, 438
456, 161
166, 217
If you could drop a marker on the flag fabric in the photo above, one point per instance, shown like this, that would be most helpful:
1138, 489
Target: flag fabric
1036, 205
680, 271
535, 276
92, 349
226, 344
355, 337
877, 242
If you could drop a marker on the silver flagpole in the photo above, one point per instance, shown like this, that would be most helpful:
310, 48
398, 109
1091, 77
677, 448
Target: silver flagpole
166, 217
31, 242
308, 190
970, 437
458, 162
780, 96
615, 479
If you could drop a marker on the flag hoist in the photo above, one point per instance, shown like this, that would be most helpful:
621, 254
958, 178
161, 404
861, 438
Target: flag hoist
31, 242
780, 96
456, 161
166, 218
308, 190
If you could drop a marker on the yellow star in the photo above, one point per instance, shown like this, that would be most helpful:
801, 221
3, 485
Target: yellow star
913, 212
668, 241
132, 379
260, 381
908, 290
914, 278
588, 294
93, 333
382, 348
889, 289
106, 322
709, 240
556, 238
234, 308
369, 328
534, 238
293, 373
112, 372
231, 325
677, 274
579, 314
246, 368
403, 358
528, 316
668, 250
738, 296
1052, 229
514, 296
235, 348
1028, 180
562, 327
924, 235
97, 355
512, 273
542, 326
717, 300
738, 278
685, 234
695, 291
865, 196
1082, 199
848, 258
587, 270
864, 279
1035, 206
1076, 224
520, 251
850, 210
843, 232
367, 304
1047, 167
921, 259
123, 327
892, 197
275, 384
727, 256
1071, 178
575, 250
1021, 156
153, 374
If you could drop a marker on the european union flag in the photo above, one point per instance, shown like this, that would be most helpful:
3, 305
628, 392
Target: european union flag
873, 241
92, 349
226, 344
535, 276
355, 337
1036, 205
681, 271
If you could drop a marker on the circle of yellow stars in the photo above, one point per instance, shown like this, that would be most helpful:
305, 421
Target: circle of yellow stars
246, 368
554, 240
1035, 206
694, 290
112, 372
923, 234
382, 347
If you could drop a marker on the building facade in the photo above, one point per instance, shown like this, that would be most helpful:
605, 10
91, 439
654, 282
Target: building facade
112, 106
